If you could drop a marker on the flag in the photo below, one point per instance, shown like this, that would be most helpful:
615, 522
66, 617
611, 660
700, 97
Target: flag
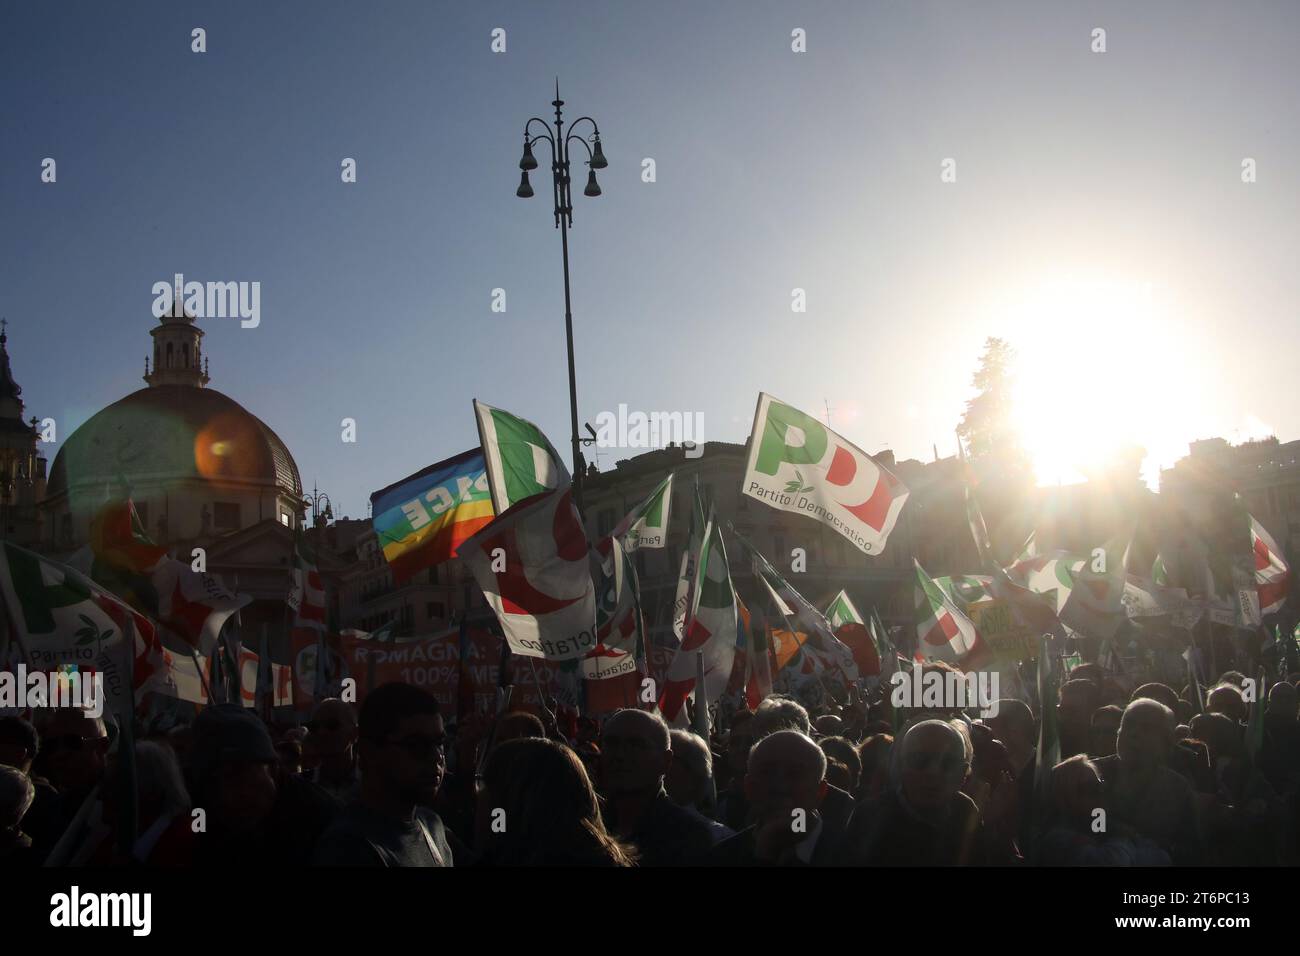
831, 653
758, 671
618, 623
306, 588
797, 464
710, 631
420, 521
195, 605
59, 617
646, 525
532, 564
122, 556
520, 460
1160, 571
686, 570
943, 632
1272, 574
612, 679
841, 611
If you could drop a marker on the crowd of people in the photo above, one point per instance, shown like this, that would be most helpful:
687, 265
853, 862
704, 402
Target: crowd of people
1143, 778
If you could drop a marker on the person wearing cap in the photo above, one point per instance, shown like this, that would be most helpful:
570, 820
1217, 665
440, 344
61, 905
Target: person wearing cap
254, 813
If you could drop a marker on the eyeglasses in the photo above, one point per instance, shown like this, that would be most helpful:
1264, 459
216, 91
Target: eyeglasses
421, 745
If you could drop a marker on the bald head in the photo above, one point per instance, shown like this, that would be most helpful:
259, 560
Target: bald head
635, 753
786, 771
1282, 700
1146, 732
333, 730
930, 764
640, 722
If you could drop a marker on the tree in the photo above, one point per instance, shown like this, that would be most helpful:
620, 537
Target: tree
987, 429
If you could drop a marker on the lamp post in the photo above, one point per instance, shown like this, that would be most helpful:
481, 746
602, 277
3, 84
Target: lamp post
563, 211
313, 501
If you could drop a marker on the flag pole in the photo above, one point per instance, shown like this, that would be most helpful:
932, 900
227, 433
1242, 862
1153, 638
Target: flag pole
129, 812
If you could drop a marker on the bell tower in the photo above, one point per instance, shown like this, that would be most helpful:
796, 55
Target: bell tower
177, 351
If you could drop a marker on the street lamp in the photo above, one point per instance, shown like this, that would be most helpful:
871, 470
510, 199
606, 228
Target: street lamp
563, 211
313, 501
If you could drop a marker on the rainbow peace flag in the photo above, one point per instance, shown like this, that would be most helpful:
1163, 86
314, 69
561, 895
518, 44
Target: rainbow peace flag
421, 520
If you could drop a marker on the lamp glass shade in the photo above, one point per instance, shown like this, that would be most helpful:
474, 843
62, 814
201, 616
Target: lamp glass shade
527, 161
525, 190
593, 187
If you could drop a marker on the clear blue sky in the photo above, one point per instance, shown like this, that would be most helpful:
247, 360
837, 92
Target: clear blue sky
776, 170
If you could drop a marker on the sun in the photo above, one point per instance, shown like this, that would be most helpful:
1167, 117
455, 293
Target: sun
1100, 370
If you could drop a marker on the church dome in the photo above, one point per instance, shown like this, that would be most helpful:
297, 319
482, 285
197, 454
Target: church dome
173, 433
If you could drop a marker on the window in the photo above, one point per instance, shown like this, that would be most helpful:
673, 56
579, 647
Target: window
225, 514
605, 523
284, 519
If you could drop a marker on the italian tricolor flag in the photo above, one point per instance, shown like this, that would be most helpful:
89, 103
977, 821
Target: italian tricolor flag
943, 633
841, 611
646, 525
1272, 574
710, 630
521, 461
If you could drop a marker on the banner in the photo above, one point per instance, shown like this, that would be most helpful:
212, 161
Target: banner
532, 564
799, 465
420, 521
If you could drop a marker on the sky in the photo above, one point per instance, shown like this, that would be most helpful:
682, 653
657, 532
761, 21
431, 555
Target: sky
1098, 219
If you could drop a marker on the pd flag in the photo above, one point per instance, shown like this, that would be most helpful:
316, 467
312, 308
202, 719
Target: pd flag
532, 564
521, 461
797, 464
420, 521
646, 525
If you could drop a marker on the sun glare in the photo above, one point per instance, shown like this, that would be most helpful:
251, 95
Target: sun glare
1100, 369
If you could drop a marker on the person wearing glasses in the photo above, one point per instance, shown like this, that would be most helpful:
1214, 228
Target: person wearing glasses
401, 740
923, 818
71, 759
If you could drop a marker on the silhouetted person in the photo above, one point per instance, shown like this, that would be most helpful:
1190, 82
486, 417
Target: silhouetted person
255, 815
538, 808
785, 782
73, 758
688, 781
923, 819
1143, 793
1079, 699
401, 741
332, 736
1105, 731
635, 753
1072, 836
16, 795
